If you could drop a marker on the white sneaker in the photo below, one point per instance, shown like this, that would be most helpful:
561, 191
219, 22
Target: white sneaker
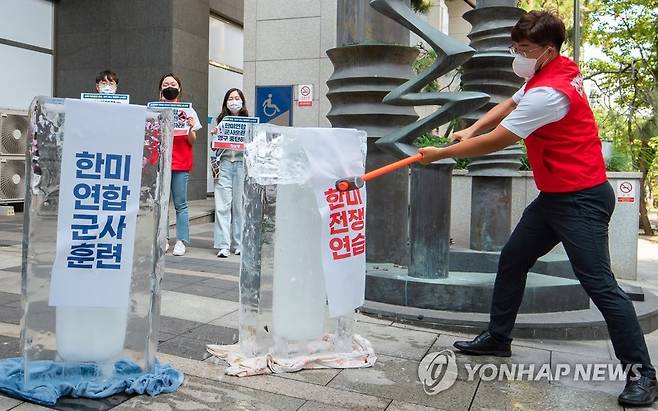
166, 246
237, 251
223, 253
179, 248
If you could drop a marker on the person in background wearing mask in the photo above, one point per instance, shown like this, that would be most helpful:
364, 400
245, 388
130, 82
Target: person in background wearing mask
552, 116
107, 82
171, 88
228, 172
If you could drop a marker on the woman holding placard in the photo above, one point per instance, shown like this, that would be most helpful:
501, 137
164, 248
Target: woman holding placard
186, 123
228, 172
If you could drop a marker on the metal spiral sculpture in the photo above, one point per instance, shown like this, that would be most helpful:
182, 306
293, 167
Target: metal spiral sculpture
450, 55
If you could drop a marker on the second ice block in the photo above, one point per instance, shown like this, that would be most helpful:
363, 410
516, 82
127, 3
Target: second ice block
303, 257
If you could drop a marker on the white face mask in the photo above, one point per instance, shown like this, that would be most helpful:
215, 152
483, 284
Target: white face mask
107, 89
525, 67
234, 105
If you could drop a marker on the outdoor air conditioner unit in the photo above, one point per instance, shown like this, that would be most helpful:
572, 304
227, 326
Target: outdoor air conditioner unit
12, 179
13, 133
13, 147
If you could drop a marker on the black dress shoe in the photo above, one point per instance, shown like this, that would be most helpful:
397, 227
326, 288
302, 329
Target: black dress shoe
484, 344
639, 392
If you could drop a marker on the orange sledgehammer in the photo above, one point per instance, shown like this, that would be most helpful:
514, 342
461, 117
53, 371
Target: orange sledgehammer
353, 183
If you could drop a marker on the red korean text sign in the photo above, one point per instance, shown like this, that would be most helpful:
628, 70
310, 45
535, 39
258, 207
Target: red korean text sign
347, 223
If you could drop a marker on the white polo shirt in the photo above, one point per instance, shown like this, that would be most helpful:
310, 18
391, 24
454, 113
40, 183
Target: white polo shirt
535, 109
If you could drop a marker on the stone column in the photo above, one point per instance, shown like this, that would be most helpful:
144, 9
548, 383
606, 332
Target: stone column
490, 71
429, 225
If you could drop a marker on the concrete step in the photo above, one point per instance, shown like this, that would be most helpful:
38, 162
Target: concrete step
469, 292
564, 325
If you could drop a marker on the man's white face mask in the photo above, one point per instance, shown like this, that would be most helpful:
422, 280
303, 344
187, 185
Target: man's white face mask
107, 89
525, 67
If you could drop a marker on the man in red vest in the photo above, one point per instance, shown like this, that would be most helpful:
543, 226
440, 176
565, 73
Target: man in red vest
552, 116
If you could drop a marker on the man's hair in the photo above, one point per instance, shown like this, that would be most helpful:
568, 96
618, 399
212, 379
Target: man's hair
107, 75
540, 27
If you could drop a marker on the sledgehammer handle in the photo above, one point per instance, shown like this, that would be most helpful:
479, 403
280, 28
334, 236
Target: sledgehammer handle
391, 167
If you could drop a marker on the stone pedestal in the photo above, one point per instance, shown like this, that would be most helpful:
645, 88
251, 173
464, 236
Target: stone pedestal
470, 291
429, 226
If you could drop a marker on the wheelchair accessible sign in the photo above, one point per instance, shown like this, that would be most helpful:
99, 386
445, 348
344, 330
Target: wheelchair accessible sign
274, 104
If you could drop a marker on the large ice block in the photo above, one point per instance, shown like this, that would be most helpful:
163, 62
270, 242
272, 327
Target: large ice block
283, 298
100, 333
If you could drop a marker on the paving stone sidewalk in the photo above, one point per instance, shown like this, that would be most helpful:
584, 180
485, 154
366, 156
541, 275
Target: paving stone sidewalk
199, 307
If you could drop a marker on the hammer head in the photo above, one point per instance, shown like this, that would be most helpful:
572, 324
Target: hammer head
347, 184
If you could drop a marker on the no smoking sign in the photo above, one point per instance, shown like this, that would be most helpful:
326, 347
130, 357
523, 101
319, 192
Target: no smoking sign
625, 192
305, 95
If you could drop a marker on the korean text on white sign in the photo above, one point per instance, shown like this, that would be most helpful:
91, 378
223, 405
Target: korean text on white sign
98, 203
231, 132
343, 214
106, 98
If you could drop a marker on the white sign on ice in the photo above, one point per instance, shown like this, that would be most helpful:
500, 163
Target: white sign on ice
343, 240
98, 202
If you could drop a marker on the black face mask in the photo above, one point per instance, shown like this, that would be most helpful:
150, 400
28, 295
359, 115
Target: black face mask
170, 93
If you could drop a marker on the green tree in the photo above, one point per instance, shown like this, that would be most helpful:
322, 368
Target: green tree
625, 81
564, 9
422, 6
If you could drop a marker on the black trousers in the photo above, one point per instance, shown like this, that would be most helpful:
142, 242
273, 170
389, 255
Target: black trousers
580, 221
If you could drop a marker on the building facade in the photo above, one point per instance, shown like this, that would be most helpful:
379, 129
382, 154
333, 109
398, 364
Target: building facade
27, 46
58, 48
286, 44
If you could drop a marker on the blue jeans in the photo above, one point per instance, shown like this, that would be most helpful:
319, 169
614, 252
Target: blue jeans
179, 194
229, 187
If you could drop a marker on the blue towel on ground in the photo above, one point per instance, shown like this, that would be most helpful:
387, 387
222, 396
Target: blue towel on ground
50, 380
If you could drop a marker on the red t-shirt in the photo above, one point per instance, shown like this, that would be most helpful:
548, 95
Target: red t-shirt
181, 154
566, 155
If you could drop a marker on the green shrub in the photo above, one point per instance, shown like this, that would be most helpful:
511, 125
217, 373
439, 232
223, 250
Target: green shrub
428, 139
618, 161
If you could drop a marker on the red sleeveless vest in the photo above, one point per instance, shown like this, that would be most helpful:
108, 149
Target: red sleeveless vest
566, 155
